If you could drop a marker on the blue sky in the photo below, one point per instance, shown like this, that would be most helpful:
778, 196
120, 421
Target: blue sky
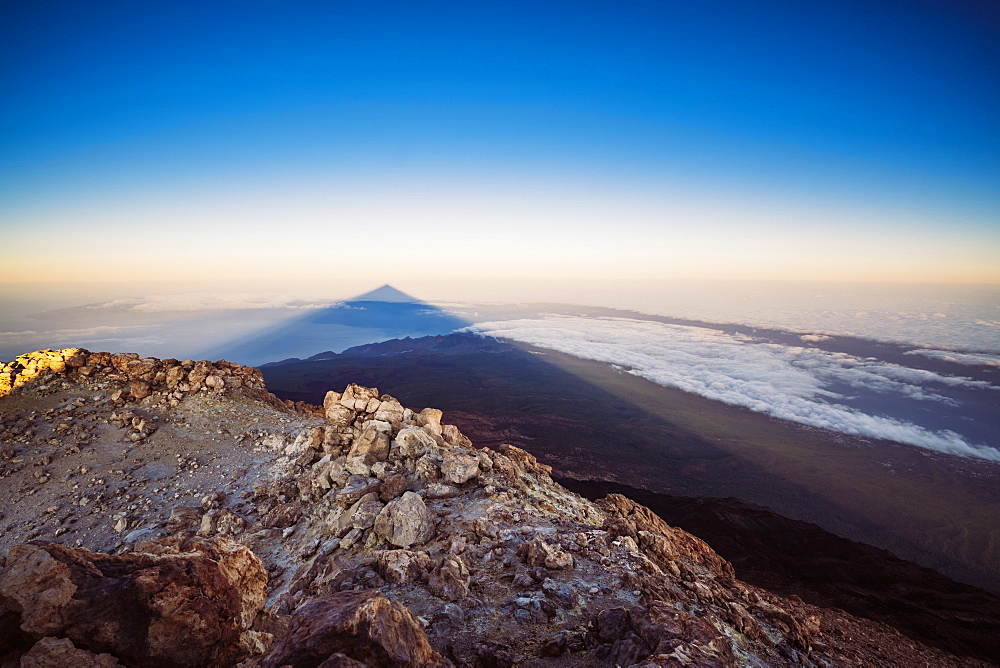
827, 140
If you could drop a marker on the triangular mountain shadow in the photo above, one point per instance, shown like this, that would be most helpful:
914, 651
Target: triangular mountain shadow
378, 315
385, 293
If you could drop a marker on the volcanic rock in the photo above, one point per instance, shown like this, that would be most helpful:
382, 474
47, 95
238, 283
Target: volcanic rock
361, 625
174, 603
405, 521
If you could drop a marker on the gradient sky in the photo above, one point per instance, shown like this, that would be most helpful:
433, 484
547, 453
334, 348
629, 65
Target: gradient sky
416, 143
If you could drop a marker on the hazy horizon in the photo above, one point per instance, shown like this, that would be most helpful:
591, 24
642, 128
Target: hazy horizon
181, 180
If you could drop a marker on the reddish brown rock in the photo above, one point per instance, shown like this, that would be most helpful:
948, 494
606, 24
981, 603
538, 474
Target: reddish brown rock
62, 653
658, 539
360, 625
176, 602
541, 553
139, 389
283, 515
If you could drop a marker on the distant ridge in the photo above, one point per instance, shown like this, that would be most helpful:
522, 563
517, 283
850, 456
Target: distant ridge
459, 343
385, 293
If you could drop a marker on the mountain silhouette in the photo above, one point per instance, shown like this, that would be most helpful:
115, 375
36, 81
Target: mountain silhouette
378, 315
385, 293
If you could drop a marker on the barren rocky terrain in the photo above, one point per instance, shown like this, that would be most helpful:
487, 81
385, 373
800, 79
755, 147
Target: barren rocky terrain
174, 513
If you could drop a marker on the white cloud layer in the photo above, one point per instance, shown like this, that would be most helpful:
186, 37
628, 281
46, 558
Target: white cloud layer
971, 359
211, 301
791, 383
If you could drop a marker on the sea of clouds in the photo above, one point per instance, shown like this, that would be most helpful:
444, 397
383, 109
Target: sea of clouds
801, 384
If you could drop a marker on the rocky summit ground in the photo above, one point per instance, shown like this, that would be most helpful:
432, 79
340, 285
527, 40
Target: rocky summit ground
174, 513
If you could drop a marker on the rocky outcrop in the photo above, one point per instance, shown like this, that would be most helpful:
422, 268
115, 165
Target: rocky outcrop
136, 377
169, 603
62, 653
362, 626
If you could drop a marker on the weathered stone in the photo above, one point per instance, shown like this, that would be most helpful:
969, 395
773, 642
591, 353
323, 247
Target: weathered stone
362, 625
405, 521
366, 510
437, 490
430, 420
459, 467
142, 369
120, 361
357, 486
413, 443
223, 522
356, 397
541, 553
451, 579
454, 437
374, 440
393, 485
175, 375
402, 565
169, 603
184, 519
339, 415
199, 373
330, 399
62, 653
307, 439
389, 410
283, 515
361, 515
139, 389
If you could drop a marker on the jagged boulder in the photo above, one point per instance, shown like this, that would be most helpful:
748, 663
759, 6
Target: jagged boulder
405, 521
540, 553
451, 578
413, 443
373, 440
360, 625
402, 565
62, 653
171, 602
459, 467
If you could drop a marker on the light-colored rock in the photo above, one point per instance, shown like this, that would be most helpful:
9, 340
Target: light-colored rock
437, 490
405, 521
356, 397
541, 553
339, 415
374, 439
430, 420
412, 443
427, 468
401, 566
459, 467
391, 411
454, 437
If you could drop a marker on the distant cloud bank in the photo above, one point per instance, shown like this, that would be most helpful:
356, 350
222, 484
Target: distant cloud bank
972, 359
800, 384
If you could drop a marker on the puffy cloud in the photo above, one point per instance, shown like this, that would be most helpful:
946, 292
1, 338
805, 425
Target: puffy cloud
789, 382
970, 359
